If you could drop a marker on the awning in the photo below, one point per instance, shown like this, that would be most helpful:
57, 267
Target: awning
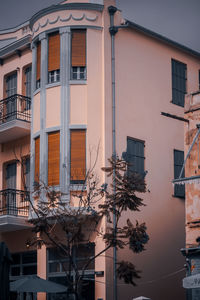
192, 282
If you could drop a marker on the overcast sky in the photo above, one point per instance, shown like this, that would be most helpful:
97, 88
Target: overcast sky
178, 20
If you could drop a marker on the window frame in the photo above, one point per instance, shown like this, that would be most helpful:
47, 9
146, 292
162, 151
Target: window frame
78, 71
180, 80
137, 156
178, 188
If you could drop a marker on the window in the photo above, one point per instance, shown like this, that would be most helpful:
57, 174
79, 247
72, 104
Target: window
26, 173
26, 88
179, 189
37, 159
23, 264
54, 158
135, 155
58, 265
78, 156
11, 85
54, 57
38, 65
78, 54
179, 73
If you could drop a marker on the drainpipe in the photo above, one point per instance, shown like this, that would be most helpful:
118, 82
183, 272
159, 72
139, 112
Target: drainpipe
113, 30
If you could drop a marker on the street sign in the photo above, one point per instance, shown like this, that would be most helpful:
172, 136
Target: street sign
192, 282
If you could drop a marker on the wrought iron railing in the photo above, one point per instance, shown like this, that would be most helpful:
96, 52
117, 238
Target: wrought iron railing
16, 107
14, 202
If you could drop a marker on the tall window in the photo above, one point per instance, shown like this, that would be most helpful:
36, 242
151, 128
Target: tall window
78, 54
37, 159
179, 77
38, 65
54, 57
78, 156
135, 155
11, 85
179, 189
54, 158
26, 173
26, 87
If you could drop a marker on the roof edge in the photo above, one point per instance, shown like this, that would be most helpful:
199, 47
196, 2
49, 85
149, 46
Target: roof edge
68, 6
13, 29
9, 49
162, 38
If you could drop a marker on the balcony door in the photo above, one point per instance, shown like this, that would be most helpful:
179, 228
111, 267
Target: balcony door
11, 102
11, 170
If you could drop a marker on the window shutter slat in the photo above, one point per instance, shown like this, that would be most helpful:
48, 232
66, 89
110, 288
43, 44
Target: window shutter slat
54, 52
78, 48
78, 155
37, 159
54, 158
38, 60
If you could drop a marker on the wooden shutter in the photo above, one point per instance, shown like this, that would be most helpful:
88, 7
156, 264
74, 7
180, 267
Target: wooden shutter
38, 60
54, 158
54, 52
78, 155
37, 159
78, 48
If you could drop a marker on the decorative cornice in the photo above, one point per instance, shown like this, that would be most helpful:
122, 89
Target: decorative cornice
68, 18
69, 6
18, 45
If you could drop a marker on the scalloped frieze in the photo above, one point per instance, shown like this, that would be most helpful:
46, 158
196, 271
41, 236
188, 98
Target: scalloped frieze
68, 18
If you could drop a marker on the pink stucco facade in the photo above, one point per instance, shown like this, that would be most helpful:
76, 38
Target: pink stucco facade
143, 89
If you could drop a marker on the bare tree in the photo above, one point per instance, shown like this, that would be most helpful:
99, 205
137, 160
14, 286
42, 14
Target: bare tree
69, 225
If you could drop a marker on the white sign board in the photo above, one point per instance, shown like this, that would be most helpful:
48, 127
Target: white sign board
192, 282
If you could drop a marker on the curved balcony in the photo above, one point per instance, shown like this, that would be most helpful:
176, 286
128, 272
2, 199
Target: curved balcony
15, 117
14, 209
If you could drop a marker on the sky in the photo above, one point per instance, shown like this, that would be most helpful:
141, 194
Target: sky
175, 19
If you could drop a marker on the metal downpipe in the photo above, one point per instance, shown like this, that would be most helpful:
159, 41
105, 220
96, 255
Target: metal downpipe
113, 30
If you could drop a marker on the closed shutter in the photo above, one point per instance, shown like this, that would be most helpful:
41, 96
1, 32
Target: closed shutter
37, 159
78, 48
135, 155
38, 60
54, 52
179, 71
54, 158
78, 155
179, 189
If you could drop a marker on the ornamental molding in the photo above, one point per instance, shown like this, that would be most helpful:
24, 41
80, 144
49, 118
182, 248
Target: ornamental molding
68, 18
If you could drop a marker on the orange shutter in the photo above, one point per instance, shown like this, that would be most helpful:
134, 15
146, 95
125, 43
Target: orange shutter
54, 158
78, 155
37, 159
38, 60
54, 52
78, 48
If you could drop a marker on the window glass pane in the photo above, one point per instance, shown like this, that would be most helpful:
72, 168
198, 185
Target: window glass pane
15, 259
28, 270
54, 267
29, 257
15, 271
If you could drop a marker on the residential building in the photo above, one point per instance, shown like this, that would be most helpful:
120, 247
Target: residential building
191, 179
51, 126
